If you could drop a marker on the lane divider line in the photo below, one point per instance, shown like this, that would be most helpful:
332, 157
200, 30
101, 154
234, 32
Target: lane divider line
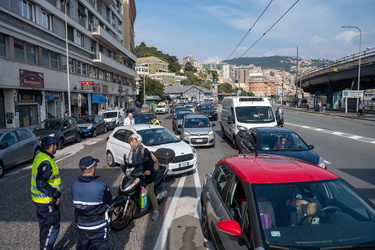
162, 238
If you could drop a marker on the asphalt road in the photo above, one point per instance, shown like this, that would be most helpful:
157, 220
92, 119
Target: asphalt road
345, 143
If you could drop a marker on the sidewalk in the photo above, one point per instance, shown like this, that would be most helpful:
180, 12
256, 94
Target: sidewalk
341, 113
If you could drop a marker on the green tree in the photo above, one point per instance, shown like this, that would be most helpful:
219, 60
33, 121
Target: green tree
226, 88
215, 76
189, 68
153, 87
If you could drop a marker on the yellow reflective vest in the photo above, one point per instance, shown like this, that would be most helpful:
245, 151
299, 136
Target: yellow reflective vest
157, 122
54, 180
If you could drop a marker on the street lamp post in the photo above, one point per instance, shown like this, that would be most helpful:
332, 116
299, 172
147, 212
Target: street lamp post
359, 58
67, 57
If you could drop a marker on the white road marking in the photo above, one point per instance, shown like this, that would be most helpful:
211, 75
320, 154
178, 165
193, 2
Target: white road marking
162, 238
341, 134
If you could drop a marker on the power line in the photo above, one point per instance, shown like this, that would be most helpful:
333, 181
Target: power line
266, 31
250, 29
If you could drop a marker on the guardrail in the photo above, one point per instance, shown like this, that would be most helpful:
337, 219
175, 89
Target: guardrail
346, 62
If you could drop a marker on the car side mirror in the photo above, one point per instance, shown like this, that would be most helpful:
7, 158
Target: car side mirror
230, 119
311, 146
230, 227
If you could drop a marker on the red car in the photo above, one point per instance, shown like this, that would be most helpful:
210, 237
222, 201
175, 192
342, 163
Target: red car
278, 202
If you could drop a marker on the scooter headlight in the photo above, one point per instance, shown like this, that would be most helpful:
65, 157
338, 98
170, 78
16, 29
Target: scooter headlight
135, 182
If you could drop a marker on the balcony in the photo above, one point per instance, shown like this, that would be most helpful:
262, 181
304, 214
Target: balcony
102, 61
107, 39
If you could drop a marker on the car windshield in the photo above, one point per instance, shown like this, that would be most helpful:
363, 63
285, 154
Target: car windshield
197, 123
157, 136
161, 106
49, 125
109, 114
257, 114
181, 115
85, 119
142, 119
207, 108
282, 141
308, 215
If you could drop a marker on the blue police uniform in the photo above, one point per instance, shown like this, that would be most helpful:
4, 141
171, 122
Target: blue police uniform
90, 198
45, 190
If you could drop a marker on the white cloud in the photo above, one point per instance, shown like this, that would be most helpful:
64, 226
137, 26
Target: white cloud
317, 39
214, 59
347, 36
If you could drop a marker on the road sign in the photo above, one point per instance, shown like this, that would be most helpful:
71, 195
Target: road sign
352, 93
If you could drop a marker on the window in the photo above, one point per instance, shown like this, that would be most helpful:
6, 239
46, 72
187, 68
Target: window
81, 67
79, 39
107, 13
71, 65
24, 52
27, 10
236, 201
9, 139
23, 134
92, 72
62, 7
63, 63
99, 6
3, 46
45, 20
109, 77
101, 74
70, 33
221, 178
49, 59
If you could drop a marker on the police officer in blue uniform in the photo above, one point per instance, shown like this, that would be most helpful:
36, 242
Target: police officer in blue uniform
91, 199
45, 192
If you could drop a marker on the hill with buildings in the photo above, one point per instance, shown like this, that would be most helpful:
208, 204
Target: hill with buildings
276, 62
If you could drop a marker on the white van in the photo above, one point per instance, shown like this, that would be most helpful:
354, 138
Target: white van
113, 118
239, 113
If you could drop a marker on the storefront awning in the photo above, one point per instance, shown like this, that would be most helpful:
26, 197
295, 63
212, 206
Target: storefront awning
96, 98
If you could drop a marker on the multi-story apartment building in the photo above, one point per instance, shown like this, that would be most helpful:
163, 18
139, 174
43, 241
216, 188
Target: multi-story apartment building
157, 69
59, 55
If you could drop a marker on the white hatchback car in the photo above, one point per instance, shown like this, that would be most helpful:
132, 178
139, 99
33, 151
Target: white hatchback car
154, 137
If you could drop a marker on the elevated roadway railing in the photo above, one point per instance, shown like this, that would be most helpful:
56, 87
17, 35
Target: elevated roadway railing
344, 63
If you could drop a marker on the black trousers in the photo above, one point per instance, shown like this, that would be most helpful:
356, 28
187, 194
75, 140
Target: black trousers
49, 224
96, 239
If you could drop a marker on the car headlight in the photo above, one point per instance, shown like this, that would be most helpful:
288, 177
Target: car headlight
186, 133
90, 127
193, 149
241, 128
52, 135
114, 119
135, 182
322, 163
210, 132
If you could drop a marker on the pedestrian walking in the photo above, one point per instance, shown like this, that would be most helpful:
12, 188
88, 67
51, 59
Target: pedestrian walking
45, 193
129, 120
91, 199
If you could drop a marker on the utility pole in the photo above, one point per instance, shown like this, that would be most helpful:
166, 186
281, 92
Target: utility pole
296, 81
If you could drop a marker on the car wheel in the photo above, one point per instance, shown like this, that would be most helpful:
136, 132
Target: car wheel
2, 169
78, 137
110, 160
60, 143
234, 142
94, 134
204, 222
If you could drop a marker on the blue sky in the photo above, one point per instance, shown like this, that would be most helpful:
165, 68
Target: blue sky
210, 30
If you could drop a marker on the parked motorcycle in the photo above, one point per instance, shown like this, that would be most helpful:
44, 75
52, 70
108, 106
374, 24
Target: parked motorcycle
132, 201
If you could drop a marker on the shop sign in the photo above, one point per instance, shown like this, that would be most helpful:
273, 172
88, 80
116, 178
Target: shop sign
96, 87
31, 79
51, 96
87, 85
26, 98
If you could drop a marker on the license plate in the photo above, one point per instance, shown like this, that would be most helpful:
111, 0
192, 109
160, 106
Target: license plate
199, 140
184, 164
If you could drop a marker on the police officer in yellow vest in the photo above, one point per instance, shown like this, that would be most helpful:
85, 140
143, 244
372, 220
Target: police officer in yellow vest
155, 121
45, 193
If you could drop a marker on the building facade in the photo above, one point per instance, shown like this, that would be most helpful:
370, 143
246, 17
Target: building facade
58, 55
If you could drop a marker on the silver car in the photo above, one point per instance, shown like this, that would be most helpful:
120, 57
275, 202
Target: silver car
197, 130
17, 146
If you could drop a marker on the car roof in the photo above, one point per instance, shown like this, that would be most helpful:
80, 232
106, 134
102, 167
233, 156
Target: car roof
138, 127
192, 115
267, 168
272, 130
